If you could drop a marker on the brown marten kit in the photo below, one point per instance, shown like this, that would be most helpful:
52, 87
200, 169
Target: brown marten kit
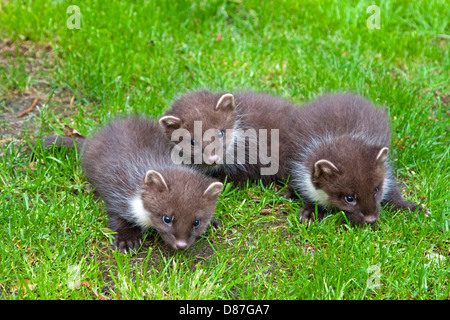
241, 136
128, 162
341, 151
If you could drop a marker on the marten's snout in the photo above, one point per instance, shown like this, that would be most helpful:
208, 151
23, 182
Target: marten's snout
370, 219
212, 159
181, 245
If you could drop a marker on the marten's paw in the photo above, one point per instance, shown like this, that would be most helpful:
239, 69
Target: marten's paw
308, 214
425, 211
419, 209
128, 242
398, 203
216, 224
414, 207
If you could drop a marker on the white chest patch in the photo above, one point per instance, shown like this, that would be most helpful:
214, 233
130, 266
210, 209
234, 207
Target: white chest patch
140, 214
388, 185
301, 181
316, 194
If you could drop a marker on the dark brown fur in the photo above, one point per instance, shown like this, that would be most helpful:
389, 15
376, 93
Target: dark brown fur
250, 110
342, 143
129, 164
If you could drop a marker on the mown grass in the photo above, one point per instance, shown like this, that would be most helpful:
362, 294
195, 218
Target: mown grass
136, 57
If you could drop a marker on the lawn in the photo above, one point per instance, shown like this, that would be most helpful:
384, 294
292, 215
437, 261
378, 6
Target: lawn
88, 64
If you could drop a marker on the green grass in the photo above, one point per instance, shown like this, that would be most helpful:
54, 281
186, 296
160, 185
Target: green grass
137, 57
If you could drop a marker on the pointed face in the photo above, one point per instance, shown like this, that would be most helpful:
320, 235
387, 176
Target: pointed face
356, 189
201, 124
181, 205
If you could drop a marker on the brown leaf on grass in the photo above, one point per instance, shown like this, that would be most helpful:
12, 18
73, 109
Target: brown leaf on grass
71, 132
281, 208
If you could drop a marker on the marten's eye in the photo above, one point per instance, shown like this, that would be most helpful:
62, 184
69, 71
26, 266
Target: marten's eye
349, 199
220, 134
167, 219
193, 142
197, 223
376, 190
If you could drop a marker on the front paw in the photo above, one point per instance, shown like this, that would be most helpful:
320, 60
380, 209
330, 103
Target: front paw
400, 204
423, 210
126, 243
308, 213
216, 224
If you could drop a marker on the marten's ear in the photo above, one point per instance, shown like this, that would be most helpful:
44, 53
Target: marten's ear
169, 123
324, 167
225, 102
213, 191
154, 179
382, 155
